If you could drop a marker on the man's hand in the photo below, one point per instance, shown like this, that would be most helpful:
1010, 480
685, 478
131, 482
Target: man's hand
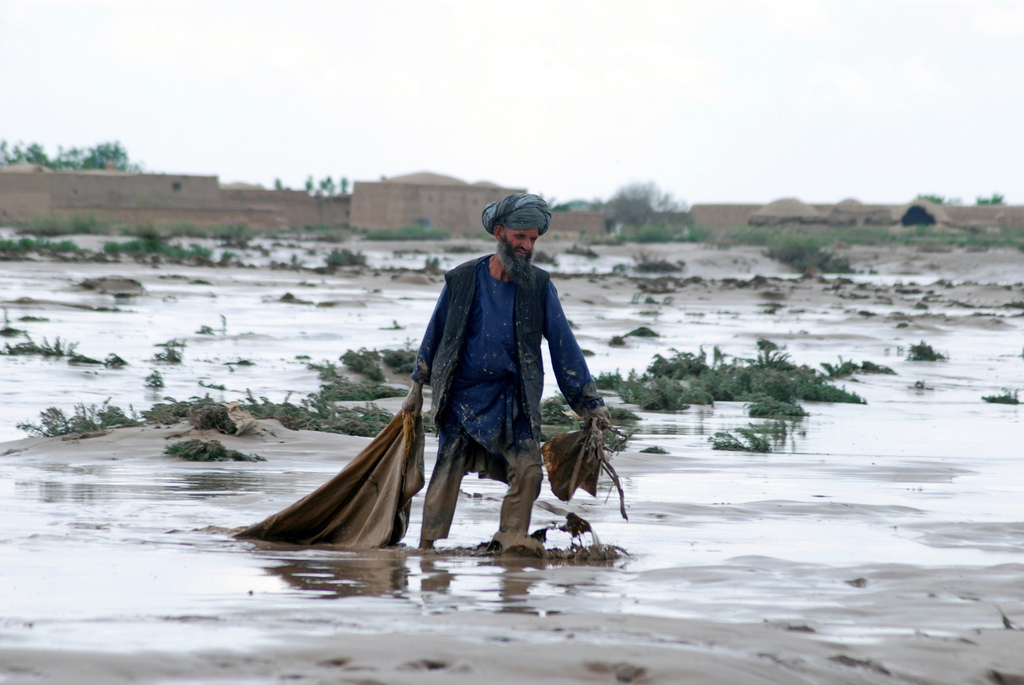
601, 415
414, 400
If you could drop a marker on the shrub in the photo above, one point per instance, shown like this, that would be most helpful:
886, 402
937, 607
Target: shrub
655, 394
155, 380
923, 352
85, 418
751, 438
771, 408
608, 381
207, 450
805, 252
345, 257
365, 362
401, 361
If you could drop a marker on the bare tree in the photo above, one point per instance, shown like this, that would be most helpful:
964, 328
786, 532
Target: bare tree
635, 203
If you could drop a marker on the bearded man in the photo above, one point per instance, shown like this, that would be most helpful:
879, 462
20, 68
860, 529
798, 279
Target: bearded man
481, 356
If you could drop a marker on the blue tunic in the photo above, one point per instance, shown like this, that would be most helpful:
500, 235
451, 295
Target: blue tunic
483, 390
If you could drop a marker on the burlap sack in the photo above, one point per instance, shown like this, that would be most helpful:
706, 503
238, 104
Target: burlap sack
367, 504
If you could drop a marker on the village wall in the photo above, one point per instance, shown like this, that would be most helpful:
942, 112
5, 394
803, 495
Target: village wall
578, 223
454, 208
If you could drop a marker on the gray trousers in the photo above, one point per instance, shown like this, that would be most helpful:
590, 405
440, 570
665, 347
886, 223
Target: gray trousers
462, 455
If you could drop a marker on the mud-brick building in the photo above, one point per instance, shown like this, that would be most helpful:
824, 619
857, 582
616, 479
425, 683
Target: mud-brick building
447, 203
422, 199
28, 191
850, 212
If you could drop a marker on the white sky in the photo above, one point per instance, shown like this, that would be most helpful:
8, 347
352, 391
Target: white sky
714, 100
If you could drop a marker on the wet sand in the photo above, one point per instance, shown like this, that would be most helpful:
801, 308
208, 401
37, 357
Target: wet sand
879, 543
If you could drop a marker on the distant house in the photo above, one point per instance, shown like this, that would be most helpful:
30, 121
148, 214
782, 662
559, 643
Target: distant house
850, 212
422, 199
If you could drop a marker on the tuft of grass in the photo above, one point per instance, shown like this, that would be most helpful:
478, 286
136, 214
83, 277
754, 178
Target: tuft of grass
172, 351
1006, 397
643, 332
923, 352
85, 418
154, 380
653, 449
617, 341
57, 348
207, 450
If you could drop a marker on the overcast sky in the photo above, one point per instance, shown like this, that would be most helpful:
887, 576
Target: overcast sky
715, 101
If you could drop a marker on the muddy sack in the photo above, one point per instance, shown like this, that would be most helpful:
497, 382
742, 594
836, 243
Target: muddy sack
575, 460
366, 505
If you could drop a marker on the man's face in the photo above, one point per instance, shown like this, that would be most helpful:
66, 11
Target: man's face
519, 242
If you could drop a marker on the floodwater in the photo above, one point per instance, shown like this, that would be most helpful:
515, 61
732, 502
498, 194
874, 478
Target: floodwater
899, 516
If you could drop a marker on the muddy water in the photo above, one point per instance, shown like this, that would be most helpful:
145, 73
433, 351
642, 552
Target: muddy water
872, 520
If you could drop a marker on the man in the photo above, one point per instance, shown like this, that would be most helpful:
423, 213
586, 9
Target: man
481, 356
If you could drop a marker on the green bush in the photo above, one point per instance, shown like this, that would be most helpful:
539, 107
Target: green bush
923, 352
85, 418
751, 438
365, 362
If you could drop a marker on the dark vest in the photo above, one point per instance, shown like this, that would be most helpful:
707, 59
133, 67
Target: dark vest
529, 329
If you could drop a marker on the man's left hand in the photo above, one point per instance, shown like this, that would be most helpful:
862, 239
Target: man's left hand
601, 415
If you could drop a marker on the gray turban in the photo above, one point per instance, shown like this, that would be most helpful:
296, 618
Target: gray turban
517, 212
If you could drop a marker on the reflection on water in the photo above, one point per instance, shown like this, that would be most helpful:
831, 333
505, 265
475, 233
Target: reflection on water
345, 574
443, 581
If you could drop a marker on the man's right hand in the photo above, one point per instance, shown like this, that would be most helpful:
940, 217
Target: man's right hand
413, 403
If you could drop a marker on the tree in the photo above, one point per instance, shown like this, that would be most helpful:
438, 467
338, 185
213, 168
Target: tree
309, 185
327, 185
633, 204
73, 158
996, 199
940, 199
278, 185
344, 185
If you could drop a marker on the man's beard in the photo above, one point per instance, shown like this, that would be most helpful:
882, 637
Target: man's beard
519, 268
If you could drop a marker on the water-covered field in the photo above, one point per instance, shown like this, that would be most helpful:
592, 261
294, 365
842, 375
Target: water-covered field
876, 543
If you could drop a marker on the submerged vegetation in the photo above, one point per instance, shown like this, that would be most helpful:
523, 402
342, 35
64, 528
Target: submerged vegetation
1006, 397
207, 450
770, 383
750, 438
923, 352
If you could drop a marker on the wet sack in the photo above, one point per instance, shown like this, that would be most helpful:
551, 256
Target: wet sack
366, 505
575, 460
